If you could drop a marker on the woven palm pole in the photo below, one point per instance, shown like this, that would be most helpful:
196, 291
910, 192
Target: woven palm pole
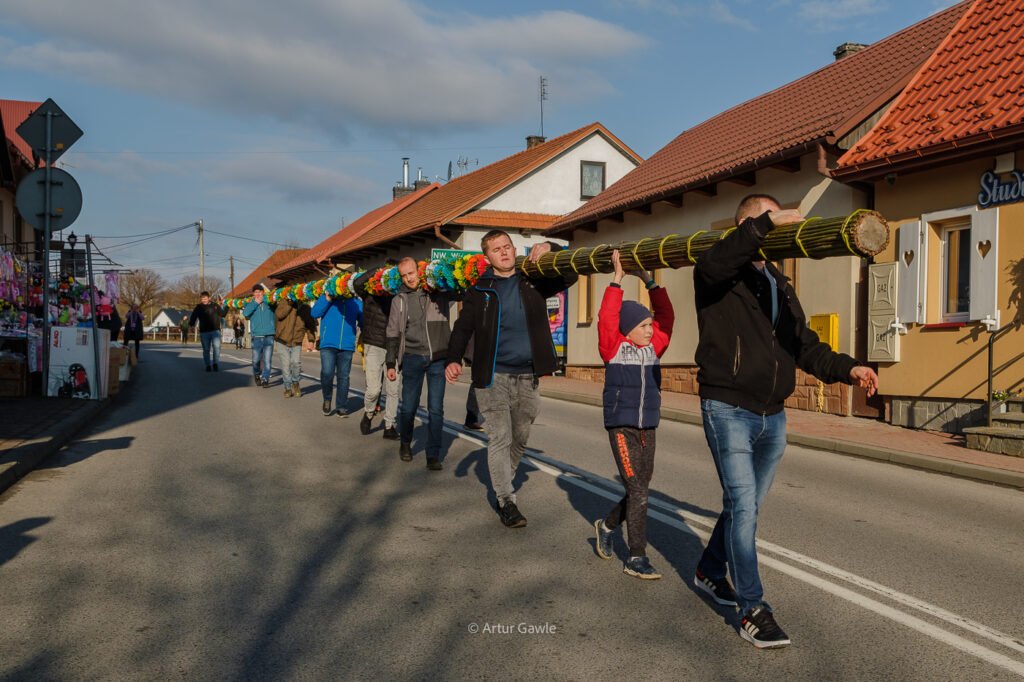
863, 233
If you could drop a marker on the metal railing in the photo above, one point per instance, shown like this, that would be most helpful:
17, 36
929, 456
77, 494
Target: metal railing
992, 338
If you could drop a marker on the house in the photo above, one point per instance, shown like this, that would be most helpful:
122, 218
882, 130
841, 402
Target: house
782, 143
523, 194
168, 317
946, 166
16, 235
263, 273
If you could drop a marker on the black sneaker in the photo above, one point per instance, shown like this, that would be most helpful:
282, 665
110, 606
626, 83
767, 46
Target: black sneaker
258, 380
364, 424
758, 627
511, 516
640, 567
719, 590
391, 433
405, 452
603, 544
473, 424
434, 464
266, 383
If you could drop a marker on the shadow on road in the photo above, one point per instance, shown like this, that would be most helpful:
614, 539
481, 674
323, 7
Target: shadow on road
15, 537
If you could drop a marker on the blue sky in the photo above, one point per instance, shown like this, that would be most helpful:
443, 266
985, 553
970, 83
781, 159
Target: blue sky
282, 121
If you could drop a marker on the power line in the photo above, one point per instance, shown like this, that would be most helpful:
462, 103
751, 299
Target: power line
144, 234
252, 239
177, 152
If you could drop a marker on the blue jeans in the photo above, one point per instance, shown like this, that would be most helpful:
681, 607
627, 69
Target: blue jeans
262, 350
211, 345
335, 364
746, 447
414, 369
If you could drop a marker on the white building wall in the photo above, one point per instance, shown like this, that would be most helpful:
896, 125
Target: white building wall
555, 188
827, 286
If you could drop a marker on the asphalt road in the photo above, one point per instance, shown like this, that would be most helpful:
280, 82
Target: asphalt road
208, 529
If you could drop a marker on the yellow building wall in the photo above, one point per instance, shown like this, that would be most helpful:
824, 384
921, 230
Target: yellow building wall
952, 363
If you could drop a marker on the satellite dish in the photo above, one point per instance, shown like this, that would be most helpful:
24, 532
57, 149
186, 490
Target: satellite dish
449, 170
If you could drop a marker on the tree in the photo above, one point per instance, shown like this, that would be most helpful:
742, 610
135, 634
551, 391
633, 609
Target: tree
185, 292
144, 287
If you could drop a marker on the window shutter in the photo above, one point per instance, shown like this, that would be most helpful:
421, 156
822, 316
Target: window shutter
985, 266
910, 265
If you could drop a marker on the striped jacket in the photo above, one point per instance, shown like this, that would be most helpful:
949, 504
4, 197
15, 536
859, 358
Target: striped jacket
632, 377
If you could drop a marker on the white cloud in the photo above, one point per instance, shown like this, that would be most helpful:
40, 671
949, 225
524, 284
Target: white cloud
721, 13
386, 65
833, 14
288, 179
128, 166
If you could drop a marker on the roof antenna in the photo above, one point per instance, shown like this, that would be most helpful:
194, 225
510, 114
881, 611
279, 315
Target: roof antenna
543, 87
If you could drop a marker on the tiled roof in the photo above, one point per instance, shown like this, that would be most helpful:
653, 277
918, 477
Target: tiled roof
463, 193
970, 92
512, 220
263, 271
822, 106
14, 112
304, 263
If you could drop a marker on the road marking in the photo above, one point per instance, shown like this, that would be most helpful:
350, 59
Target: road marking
682, 520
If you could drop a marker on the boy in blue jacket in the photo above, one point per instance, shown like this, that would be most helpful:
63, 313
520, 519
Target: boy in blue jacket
339, 318
261, 317
631, 344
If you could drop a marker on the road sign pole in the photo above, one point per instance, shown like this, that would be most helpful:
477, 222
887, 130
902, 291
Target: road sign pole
95, 319
46, 256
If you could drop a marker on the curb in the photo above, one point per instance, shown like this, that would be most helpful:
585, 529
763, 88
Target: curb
974, 472
27, 456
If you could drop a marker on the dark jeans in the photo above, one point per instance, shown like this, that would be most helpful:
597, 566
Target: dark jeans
335, 364
137, 346
414, 369
746, 447
211, 347
634, 456
262, 353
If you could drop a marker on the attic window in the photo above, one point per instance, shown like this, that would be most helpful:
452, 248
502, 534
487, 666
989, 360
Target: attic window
591, 178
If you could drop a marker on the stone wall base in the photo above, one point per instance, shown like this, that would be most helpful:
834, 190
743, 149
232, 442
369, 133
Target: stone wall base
830, 399
950, 416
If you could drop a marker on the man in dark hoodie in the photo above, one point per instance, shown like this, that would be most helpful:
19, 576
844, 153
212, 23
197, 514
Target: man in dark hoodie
417, 344
753, 335
506, 316
209, 315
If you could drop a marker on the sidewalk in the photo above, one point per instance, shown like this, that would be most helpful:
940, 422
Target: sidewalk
928, 450
32, 429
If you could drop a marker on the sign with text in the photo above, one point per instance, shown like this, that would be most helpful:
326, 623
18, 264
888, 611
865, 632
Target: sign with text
436, 254
994, 191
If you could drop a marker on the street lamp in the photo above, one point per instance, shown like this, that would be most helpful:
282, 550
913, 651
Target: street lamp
72, 240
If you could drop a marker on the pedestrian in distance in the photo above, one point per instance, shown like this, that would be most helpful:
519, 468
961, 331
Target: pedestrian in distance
261, 324
133, 327
208, 314
753, 334
339, 320
294, 324
239, 328
418, 332
374, 332
505, 315
631, 340
183, 326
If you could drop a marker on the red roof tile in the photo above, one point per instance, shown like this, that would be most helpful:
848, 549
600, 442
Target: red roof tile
822, 106
304, 264
464, 193
263, 271
512, 220
14, 112
970, 92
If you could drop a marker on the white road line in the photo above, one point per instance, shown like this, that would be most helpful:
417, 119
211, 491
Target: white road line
679, 519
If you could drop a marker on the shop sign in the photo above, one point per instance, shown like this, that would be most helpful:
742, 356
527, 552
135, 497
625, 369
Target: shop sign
994, 191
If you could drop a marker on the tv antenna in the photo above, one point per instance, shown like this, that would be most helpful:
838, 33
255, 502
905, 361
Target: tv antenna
464, 163
543, 89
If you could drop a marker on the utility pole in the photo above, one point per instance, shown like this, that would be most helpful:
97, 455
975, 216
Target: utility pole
232, 277
202, 261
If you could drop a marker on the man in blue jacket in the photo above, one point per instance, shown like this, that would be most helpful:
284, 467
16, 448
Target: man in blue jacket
339, 318
261, 317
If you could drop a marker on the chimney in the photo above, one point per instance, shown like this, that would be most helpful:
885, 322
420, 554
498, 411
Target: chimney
534, 140
404, 188
846, 49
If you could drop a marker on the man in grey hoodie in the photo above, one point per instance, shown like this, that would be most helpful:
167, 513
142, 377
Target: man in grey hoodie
417, 343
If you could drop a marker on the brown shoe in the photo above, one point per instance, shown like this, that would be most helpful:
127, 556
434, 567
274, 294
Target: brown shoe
287, 391
296, 391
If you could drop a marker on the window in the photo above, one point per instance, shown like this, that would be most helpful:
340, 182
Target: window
956, 272
591, 179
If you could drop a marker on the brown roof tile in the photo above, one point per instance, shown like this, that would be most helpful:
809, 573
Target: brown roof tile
263, 270
14, 112
822, 106
464, 193
511, 220
970, 91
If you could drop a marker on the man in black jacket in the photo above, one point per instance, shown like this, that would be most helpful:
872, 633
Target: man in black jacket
506, 316
753, 336
209, 316
374, 338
